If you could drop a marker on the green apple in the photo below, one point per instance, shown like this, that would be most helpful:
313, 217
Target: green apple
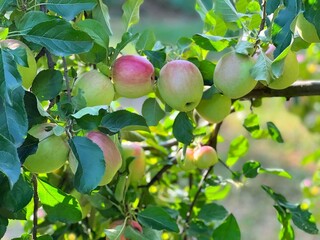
138, 165
52, 151
232, 75
111, 155
214, 109
306, 30
289, 75
186, 162
28, 73
133, 76
96, 88
205, 157
180, 85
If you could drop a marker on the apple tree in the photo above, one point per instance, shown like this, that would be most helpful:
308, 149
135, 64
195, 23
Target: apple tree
76, 163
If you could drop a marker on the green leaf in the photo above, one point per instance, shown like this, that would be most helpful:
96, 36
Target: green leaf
211, 43
276, 171
229, 229
146, 41
131, 13
262, 71
226, 10
60, 38
95, 30
5, 5
274, 132
183, 129
212, 212
199, 230
115, 233
3, 226
31, 106
69, 9
101, 13
93, 111
29, 147
251, 169
238, 148
17, 198
47, 84
13, 117
90, 164
9, 161
201, 9
251, 123
287, 231
157, 58
114, 122
126, 38
157, 218
31, 19
152, 112
58, 205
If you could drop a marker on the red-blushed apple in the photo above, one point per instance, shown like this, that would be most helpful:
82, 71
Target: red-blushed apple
186, 162
137, 166
289, 74
180, 85
306, 30
96, 88
133, 76
134, 224
232, 75
29, 72
111, 155
214, 109
52, 152
205, 157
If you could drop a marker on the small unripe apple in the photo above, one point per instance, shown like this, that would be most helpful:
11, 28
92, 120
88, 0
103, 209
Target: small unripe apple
52, 152
306, 30
96, 88
137, 166
205, 157
133, 76
186, 162
290, 73
214, 109
111, 155
232, 75
28, 73
180, 85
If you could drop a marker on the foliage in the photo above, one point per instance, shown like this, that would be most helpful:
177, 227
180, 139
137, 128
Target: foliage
69, 37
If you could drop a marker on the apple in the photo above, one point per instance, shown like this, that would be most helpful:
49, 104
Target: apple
306, 30
96, 88
138, 165
111, 155
205, 157
214, 109
186, 162
289, 75
28, 73
134, 224
52, 151
180, 85
232, 75
133, 76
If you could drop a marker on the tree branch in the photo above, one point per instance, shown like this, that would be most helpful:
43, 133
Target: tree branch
297, 89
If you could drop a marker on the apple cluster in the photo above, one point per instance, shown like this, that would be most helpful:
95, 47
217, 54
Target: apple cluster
201, 157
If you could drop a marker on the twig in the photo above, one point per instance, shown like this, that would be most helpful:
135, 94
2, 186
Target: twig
65, 72
35, 207
158, 176
262, 24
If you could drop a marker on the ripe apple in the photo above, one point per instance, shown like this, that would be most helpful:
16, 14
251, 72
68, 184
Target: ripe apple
205, 157
180, 85
306, 30
133, 76
28, 73
186, 162
96, 88
289, 75
111, 155
52, 151
134, 224
138, 165
232, 75
214, 109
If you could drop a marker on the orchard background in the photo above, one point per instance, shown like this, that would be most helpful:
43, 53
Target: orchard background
266, 184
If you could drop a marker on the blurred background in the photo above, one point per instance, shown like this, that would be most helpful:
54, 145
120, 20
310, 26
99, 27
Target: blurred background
297, 119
